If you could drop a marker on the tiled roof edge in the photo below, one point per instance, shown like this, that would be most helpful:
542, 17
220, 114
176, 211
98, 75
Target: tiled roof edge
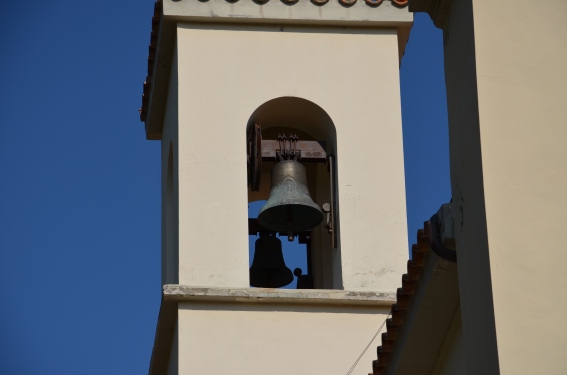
156, 20
404, 296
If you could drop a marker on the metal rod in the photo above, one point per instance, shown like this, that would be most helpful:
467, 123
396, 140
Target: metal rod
332, 190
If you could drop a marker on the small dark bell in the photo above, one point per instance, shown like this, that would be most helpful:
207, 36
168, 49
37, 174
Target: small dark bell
268, 267
289, 208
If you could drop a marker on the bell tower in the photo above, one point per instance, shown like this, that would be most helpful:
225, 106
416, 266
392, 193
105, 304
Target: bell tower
296, 103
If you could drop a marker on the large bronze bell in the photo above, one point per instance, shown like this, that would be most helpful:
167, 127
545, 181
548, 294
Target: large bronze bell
289, 208
268, 267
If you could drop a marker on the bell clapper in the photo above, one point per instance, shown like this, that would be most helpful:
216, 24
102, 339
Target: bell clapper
290, 235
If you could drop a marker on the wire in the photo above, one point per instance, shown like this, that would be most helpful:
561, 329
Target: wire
367, 346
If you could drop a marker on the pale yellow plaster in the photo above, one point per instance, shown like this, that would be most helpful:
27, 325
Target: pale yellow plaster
506, 80
243, 339
225, 73
521, 62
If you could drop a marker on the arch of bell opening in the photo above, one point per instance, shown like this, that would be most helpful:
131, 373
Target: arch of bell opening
309, 122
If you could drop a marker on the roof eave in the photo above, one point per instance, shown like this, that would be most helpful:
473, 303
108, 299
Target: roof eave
167, 13
423, 314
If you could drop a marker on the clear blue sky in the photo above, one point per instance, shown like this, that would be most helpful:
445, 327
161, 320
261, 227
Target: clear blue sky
79, 184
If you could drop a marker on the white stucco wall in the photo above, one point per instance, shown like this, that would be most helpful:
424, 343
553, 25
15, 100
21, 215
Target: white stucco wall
244, 339
225, 73
507, 82
521, 63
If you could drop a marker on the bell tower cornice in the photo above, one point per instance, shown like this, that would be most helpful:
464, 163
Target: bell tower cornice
381, 13
324, 13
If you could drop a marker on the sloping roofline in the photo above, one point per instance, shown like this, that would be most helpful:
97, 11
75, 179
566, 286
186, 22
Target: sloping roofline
423, 312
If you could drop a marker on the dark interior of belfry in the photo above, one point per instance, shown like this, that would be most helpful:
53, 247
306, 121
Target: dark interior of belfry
289, 197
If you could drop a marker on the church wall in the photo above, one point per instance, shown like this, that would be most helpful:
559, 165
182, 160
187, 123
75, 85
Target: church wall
243, 339
468, 192
521, 60
506, 83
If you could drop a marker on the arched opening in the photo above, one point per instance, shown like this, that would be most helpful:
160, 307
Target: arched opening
309, 122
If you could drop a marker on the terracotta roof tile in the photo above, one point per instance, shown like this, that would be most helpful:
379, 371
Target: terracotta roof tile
156, 20
410, 283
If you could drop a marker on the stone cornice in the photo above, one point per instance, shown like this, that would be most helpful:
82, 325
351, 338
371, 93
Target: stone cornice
373, 13
317, 299
168, 14
181, 293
